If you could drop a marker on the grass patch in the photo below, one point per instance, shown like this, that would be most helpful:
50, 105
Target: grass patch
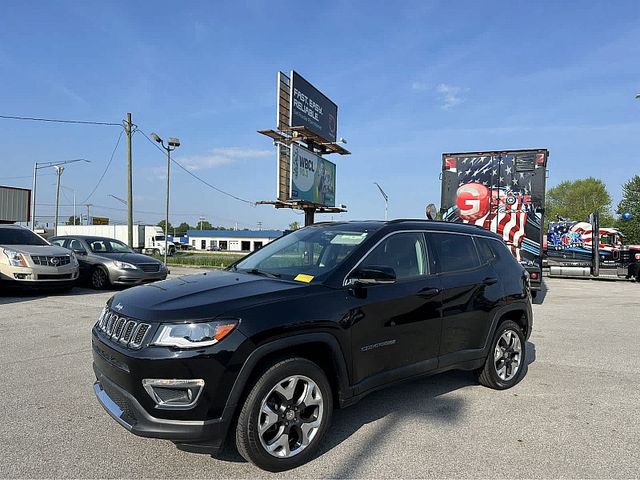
214, 260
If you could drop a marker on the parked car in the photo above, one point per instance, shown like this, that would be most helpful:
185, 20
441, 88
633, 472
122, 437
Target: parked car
28, 259
314, 320
107, 261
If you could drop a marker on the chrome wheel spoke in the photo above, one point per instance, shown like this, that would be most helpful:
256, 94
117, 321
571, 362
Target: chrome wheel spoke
311, 396
309, 431
268, 418
502, 372
287, 388
280, 446
498, 353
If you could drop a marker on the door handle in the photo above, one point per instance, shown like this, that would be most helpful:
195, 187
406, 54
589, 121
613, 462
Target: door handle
490, 281
429, 292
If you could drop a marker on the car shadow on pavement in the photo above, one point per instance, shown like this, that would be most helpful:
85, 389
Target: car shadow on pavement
424, 401
542, 293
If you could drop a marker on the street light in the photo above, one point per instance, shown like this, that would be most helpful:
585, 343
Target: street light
386, 200
172, 144
38, 166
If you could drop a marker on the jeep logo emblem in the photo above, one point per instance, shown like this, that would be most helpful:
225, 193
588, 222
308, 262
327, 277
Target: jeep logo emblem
119, 307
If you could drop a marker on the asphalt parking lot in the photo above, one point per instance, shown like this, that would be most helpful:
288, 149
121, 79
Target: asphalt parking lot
575, 414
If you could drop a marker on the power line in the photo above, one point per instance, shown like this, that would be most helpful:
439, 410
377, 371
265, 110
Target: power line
240, 199
106, 168
56, 120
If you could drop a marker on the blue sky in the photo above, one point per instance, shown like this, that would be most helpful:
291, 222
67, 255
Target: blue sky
412, 80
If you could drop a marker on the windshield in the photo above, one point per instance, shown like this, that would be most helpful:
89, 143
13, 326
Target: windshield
20, 236
306, 254
108, 245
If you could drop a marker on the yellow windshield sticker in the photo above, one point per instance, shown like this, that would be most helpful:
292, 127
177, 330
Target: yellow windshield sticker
301, 277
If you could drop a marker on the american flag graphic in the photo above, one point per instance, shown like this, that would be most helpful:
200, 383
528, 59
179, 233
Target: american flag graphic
495, 193
506, 217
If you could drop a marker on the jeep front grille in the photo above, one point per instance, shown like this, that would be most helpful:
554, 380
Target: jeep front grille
123, 330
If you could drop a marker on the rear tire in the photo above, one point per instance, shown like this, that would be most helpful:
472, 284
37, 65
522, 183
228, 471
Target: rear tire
99, 278
285, 415
506, 358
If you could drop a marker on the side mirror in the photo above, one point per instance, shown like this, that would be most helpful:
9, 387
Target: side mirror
372, 275
79, 251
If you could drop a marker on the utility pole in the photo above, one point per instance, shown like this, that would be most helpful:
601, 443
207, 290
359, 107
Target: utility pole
59, 169
128, 127
88, 205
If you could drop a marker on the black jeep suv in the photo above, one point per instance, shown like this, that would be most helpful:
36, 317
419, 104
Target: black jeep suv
314, 320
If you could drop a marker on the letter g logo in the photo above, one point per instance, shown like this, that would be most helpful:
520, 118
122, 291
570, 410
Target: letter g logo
472, 200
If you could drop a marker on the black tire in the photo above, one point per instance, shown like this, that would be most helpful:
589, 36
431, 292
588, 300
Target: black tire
99, 278
488, 375
248, 439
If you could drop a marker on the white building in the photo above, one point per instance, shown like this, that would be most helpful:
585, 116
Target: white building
231, 240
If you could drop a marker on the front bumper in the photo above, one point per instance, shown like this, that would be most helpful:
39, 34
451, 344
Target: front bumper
135, 277
39, 275
126, 410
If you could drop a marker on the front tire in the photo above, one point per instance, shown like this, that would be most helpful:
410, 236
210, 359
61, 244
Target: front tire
506, 358
99, 278
285, 415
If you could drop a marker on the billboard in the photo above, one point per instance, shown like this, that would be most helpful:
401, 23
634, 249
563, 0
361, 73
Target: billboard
14, 204
99, 221
313, 179
311, 109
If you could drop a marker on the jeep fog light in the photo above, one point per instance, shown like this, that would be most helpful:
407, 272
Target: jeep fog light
173, 394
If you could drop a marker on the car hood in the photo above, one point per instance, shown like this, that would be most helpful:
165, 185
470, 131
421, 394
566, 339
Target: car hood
135, 258
201, 297
51, 250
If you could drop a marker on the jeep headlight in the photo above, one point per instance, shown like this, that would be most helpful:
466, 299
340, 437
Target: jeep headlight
124, 265
193, 335
15, 259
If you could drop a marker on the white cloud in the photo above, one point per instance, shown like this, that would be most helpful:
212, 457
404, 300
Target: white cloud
222, 156
450, 95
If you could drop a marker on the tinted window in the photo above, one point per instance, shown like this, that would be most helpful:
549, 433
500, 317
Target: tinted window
59, 242
404, 252
20, 236
455, 252
484, 250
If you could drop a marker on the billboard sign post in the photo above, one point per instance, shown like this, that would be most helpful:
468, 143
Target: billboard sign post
313, 179
311, 109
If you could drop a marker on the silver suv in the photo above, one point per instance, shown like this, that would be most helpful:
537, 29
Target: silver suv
28, 259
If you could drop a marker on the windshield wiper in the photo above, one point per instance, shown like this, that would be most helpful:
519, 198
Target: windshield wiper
264, 273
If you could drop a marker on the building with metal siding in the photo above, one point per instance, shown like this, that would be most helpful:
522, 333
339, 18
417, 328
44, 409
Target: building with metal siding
15, 204
231, 240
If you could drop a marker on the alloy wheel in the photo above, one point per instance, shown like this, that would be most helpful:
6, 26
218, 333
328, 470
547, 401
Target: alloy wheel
290, 416
507, 355
99, 278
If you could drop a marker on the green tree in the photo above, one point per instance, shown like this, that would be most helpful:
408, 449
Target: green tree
74, 220
576, 199
294, 225
630, 203
161, 225
204, 225
182, 229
